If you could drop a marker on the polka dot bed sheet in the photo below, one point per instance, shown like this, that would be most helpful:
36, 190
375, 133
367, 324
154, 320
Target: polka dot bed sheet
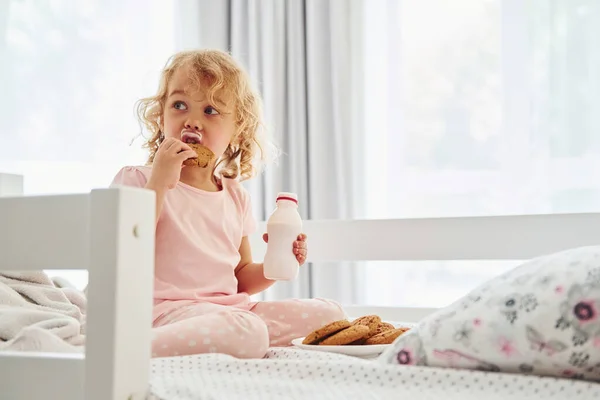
289, 373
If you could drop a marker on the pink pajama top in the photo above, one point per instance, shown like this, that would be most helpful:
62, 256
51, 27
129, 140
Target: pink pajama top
198, 236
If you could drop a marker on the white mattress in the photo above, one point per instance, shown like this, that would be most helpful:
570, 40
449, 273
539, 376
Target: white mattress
289, 373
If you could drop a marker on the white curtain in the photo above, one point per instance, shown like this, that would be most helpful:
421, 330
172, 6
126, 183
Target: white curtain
306, 58
70, 72
477, 108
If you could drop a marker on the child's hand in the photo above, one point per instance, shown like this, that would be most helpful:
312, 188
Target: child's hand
168, 162
299, 247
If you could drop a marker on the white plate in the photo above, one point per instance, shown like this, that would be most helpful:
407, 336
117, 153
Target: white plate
363, 351
357, 351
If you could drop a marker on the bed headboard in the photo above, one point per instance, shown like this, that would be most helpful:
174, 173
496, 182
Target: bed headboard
517, 237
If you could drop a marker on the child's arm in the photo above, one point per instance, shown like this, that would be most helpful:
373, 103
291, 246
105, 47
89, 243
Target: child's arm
160, 196
250, 276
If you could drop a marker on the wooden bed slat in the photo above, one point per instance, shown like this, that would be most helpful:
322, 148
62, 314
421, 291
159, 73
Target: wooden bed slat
29, 375
44, 232
466, 238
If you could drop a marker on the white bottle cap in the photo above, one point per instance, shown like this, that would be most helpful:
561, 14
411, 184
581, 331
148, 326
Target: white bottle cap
287, 196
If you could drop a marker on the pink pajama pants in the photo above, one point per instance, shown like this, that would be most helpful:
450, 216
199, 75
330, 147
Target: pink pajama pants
189, 327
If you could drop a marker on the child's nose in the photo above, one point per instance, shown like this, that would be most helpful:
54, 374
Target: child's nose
193, 125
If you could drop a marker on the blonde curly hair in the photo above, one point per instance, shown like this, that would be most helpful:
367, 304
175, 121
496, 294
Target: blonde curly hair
227, 84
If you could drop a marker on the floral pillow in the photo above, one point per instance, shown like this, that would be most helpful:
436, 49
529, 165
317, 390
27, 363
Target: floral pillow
542, 318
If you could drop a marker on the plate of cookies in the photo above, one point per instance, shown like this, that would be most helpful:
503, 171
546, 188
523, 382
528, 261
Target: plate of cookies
366, 336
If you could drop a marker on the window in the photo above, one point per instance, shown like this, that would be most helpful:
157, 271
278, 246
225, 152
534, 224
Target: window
70, 74
477, 108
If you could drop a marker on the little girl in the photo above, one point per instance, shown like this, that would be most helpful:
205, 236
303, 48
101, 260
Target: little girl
204, 271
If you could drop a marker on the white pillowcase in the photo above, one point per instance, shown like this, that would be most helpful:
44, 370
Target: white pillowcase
542, 318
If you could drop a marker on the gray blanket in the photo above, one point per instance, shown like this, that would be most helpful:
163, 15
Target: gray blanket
38, 315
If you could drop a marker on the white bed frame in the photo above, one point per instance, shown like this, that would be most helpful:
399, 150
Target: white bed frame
110, 232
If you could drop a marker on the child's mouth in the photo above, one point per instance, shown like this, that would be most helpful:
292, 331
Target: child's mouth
190, 137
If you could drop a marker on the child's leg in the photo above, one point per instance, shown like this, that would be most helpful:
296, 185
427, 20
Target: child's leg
209, 328
290, 319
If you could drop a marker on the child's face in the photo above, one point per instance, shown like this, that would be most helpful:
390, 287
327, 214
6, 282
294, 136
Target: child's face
191, 112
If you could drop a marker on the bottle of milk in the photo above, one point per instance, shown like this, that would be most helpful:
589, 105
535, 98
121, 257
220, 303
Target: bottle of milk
283, 227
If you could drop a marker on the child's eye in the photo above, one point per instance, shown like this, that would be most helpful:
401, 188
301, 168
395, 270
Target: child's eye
179, 105
211, 110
